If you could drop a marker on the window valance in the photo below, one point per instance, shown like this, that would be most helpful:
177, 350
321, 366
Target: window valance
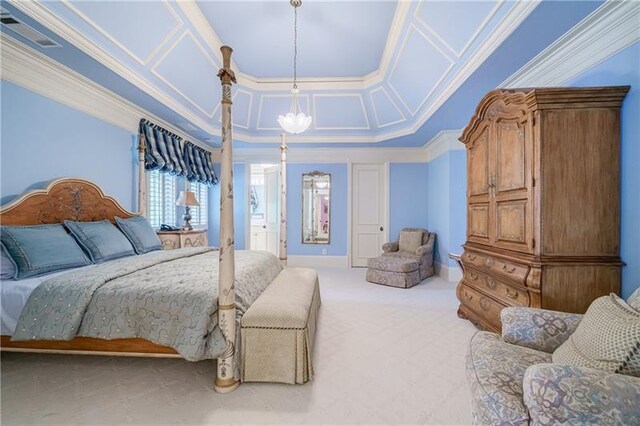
169, 153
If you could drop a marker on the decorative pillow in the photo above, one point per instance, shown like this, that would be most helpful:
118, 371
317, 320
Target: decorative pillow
101, 240
140, 233
634, 300
410, 241
607, 338
41, 249
7, 267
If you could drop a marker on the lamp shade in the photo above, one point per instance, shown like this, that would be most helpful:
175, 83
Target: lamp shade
187, 198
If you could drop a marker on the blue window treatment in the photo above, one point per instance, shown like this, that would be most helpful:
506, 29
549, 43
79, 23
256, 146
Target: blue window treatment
169, 153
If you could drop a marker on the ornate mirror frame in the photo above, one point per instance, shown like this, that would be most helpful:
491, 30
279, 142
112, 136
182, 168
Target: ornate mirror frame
313, 177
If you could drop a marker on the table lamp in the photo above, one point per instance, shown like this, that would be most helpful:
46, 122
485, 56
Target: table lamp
187, 199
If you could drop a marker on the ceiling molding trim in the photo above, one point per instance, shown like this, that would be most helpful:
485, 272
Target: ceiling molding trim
469, 42
375, 111
105, 33
447, 56
164, 56
444, 141
201, 24
47, 18
235, 95
338, 95
606, 31
36, 72
331, 155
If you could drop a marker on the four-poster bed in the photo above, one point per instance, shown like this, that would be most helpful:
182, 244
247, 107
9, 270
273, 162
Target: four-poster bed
80, 200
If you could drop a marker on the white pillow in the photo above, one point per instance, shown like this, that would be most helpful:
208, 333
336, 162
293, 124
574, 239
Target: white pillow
7, 268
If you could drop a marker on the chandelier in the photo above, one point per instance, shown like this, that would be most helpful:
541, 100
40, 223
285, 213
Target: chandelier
295, 121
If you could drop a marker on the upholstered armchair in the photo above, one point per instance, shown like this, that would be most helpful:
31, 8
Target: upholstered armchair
413, 246
513, 379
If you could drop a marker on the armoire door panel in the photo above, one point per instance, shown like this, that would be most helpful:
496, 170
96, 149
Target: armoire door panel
512, 225
478, 178
478, 223
510, 155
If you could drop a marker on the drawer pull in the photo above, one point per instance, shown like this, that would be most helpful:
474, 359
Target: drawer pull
473, 277
471, 257
508, 271
468, 296
491, 283
512, 294
484, 303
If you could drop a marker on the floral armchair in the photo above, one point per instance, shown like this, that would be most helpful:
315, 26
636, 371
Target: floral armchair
514, 381
421, 252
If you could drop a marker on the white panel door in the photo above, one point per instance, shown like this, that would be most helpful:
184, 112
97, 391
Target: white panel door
272, 197
369, 212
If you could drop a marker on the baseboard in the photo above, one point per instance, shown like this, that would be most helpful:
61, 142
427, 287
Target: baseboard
449, 273
318, 261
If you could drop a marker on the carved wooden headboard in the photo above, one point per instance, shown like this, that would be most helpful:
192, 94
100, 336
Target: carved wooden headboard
63, 199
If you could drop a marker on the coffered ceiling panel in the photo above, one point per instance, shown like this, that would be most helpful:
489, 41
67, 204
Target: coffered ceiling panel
344, 111
189, 70
420, 67
470, 19
116, 24
371, 71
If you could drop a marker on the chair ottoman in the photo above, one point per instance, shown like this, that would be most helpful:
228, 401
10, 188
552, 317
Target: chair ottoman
393, 271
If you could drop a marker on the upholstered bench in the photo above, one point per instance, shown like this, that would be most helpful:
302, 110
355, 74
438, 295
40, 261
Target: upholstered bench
277, 331
393, 271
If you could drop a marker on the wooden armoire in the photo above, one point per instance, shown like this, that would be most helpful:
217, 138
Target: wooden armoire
543, 201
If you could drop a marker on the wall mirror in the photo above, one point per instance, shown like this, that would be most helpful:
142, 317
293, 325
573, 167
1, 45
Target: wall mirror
316, 208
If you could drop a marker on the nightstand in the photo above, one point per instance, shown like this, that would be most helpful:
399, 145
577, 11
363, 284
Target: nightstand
180, 239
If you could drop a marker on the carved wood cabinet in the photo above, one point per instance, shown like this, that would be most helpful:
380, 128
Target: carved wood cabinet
180, 239
543, 201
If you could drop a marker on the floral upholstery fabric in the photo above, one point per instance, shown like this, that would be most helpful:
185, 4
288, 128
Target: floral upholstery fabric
393, 264
495, 371
394, 279
538, 329
561, 394
423, 254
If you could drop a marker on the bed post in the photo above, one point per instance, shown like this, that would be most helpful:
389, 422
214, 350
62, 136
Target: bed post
283, 200
225, 376
142, 177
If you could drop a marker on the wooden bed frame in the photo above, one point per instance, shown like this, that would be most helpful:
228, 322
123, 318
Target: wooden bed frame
80, 200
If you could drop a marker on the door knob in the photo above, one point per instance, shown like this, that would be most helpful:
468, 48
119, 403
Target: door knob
381, 228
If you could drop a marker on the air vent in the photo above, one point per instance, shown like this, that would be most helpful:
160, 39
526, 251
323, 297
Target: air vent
26, 31
187, 127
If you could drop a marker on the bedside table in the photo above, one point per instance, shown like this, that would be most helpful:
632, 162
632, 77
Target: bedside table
180, 239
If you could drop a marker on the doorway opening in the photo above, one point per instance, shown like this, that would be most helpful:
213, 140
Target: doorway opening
264, 207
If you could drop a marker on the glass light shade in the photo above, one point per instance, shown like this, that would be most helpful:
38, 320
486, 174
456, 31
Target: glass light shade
294, 123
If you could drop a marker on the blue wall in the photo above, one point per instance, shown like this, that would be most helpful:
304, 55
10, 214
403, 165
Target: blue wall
623, 69
43, 139
408, 201
239, 207
339, 201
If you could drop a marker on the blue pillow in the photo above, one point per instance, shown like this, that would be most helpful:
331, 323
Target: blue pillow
41, 249
101, 240
140, 234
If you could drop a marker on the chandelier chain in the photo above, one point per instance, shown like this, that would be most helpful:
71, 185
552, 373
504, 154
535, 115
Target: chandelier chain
295, 47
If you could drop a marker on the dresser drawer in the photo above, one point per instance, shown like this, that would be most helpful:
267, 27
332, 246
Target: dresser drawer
481, 304
474, 259
498, 289
510, 271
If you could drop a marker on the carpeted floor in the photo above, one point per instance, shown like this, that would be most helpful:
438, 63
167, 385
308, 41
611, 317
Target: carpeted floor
383, 356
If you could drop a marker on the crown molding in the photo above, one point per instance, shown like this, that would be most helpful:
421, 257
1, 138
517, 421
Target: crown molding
194, 14
444, 141
28, 68
331, 155
606, 31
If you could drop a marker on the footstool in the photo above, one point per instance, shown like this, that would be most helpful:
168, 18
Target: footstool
393, 271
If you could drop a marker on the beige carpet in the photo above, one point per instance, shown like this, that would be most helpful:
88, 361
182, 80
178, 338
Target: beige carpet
383, 356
